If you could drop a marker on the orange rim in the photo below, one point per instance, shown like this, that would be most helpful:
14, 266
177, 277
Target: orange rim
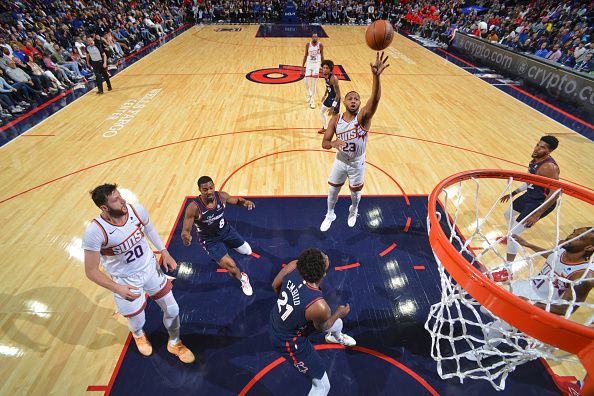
544, 326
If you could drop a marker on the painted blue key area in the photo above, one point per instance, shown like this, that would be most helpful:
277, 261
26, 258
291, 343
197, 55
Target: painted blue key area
389, 301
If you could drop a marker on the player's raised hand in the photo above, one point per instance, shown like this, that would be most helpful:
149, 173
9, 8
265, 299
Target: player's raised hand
338, 144
168, 262
380, 64
249, 205
343, 310
186, 238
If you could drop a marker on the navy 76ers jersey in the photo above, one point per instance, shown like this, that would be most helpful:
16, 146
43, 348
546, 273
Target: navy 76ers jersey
330, 87
288, 315
211, 222
537, 193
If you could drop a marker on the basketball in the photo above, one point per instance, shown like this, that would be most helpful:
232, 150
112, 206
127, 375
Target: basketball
379, 35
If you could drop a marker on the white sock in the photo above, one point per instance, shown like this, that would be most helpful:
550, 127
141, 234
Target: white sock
323, 112
136, 323
320, 387
332, 198
306, 79
244, 249
336, 329
512, 245
171, 321
355, 199
315, 81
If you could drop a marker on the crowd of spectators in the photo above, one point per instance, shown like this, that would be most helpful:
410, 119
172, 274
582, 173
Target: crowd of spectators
42, 42
557, 31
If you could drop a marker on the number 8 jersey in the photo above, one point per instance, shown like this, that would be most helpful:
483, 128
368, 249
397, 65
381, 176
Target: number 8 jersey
288, 315
211, 222
124, 248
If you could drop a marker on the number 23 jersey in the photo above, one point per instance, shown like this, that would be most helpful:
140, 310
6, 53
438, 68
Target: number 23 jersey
288, 315
124, 249
354, 135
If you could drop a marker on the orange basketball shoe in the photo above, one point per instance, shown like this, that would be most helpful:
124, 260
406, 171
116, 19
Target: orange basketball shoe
181, 351
143, 344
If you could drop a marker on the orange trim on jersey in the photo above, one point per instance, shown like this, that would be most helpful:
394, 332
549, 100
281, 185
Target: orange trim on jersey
117, 225
313, 301
161, 293
312, 288
102, 230
137, 312
136, 213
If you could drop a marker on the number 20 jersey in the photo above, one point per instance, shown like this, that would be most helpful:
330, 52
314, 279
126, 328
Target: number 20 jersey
124, 249
355, 137
288, 315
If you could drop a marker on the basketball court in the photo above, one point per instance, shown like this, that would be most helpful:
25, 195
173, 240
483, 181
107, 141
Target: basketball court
227, 101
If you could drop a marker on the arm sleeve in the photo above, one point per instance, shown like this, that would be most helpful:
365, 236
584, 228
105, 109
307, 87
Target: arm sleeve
150, 231
523, 187
93, 238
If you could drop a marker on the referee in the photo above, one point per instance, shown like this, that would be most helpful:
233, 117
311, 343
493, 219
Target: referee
97, 58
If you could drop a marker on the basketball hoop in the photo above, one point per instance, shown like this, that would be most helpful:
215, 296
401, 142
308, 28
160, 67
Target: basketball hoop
480, 329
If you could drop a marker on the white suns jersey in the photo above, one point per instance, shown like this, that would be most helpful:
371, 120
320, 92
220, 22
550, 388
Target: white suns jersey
314, 54
124, 249
353, 135
562, 270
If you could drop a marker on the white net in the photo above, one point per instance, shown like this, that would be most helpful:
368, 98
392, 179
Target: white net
468, 341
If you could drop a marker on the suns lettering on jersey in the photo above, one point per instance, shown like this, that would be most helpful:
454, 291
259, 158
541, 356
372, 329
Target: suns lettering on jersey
127, 244
350, 135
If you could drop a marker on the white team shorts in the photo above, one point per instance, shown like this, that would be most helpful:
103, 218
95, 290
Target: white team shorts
354, 170
151, 281
312, 69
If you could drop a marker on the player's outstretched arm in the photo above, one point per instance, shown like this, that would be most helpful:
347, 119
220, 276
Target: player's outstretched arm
237, 201
189, 218
370, 107
319, 314
278, 279
327, 142
531, 246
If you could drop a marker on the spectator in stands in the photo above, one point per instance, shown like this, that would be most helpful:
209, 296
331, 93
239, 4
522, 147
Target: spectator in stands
18, 75
586, 65
543, 51
555, 54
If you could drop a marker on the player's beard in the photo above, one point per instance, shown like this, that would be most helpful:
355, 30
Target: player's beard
115, 213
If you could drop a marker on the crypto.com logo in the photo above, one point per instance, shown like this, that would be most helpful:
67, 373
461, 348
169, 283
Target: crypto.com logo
286, 74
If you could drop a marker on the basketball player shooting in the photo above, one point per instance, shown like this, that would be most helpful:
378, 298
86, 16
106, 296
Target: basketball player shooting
351, 129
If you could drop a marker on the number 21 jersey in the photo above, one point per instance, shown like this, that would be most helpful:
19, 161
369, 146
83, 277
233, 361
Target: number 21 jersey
288, 315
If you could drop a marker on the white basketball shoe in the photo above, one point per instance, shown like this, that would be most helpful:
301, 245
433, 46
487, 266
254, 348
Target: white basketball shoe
352, 216
344, 339
330, 217
246, 288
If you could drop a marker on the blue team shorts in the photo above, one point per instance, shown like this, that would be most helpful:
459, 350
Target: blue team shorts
525, 206
328, 103
216, 246
300, 354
